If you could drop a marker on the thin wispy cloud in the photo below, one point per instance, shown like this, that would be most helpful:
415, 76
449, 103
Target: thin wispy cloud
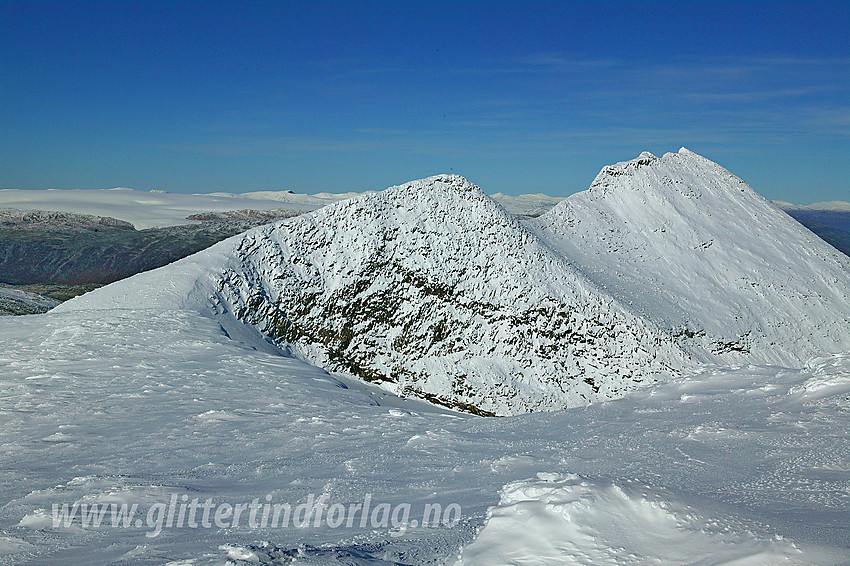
754, 96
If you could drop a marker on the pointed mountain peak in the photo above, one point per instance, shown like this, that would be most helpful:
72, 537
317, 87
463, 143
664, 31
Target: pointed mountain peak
436, 192
683, 173
624, 168
687, 156
434, 202
444, 181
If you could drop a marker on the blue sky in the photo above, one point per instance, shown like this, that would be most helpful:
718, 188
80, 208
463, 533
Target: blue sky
518, 97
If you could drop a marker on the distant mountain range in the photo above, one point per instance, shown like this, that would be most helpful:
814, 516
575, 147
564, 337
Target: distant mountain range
829, 220
159, 209
61, 248
85, 245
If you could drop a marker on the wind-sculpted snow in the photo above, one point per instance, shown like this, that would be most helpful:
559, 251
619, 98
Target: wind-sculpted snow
694, 249
133, 406
572, 520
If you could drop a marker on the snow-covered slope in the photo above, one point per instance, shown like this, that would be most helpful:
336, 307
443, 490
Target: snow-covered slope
431, 289
694, 249
747, 466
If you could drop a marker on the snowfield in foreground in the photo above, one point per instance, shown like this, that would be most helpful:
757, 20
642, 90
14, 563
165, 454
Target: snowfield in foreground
569, 519
748, 464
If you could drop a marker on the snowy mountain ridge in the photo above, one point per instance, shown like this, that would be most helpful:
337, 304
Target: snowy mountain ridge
701, 254
432, 290
435, 291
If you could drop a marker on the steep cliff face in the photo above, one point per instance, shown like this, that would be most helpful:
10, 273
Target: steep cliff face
697, 251
433, 290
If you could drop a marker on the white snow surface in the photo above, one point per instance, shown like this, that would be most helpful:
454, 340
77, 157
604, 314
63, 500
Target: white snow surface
317, 200
568, 519
830, 205
721, 466
694, 249
143, 209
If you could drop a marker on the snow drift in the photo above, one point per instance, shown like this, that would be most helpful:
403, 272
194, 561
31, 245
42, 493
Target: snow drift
567, 519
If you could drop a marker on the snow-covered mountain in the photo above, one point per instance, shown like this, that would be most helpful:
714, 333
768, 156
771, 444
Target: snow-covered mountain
693, 248
431, 289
